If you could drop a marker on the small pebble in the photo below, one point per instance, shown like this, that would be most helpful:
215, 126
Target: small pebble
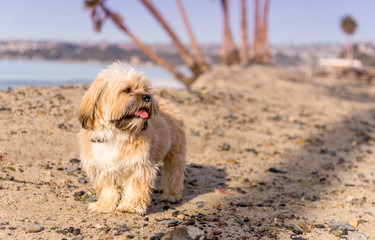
77, 238
171, 223
328, 152
335, 232
181, 217
62, 126
357, 236
216, 232
176, 213
76, 231
354, 223
274, 170
294, 228
33, 227
219, 132
239, 221
74, 160
225, 147
303, 227
103, 229
184, 232
347, 226
189, 222
242, 204
82, 180
45, 166
222, 224
10, 169
120, 229
210, 236
92, 199
319, 225
78, 195
71, 169
2, 108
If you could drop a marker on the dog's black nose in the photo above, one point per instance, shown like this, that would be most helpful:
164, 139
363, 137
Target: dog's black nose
146, 97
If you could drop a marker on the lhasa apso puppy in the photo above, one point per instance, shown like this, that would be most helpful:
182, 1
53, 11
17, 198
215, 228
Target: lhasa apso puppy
126, 135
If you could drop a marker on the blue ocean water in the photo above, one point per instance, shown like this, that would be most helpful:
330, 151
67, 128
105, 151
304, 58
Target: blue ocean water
20, 73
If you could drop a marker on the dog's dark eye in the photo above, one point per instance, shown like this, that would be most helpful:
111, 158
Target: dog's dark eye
127, 90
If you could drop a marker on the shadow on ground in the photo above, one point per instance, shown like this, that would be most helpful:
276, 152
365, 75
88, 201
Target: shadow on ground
327, 171
349, 92
199, 180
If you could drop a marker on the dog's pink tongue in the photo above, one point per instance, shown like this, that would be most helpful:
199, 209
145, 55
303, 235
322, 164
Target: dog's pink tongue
142, 113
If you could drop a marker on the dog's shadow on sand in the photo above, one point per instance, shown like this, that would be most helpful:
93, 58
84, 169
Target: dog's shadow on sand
199, 180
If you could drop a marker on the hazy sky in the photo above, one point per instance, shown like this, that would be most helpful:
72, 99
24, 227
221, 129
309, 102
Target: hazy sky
290, 21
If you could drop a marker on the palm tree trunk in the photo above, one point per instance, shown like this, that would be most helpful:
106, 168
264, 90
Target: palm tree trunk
244, 54
224, 55
349, 48
197, 52
255, 47
151, 54
192, 65
265, 44
230, 55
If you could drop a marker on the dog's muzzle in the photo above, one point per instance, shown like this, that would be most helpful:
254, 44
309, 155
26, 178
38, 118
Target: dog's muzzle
146, 98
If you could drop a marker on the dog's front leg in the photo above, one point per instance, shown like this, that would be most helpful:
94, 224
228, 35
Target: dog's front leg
136, 193
108, 198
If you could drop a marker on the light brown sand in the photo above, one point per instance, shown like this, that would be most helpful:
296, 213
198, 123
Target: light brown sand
239, 123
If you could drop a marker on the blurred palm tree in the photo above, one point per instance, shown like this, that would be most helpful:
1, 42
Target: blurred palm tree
229, 52
197, 52
349, 25
100, 12
195, 63
244, 48
260, 47
196, 68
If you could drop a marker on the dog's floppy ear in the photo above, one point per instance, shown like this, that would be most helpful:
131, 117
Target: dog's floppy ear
89, 104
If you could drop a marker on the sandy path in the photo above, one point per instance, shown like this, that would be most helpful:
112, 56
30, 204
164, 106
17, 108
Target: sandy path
266, 150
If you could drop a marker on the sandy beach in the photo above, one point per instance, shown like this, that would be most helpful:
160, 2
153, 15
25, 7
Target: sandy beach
271, 155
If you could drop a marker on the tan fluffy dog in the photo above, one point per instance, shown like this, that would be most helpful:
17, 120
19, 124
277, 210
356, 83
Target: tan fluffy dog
126, 135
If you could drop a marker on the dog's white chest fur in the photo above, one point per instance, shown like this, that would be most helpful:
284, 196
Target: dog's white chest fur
106, 156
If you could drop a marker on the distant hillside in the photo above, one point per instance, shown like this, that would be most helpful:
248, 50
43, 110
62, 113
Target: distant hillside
73, 52
295, 56
88, 52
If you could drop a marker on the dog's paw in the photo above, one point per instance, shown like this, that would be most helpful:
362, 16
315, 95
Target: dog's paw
97, 207
131, 209
169, 198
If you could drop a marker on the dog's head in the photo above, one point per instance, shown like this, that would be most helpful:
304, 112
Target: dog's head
120, 96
